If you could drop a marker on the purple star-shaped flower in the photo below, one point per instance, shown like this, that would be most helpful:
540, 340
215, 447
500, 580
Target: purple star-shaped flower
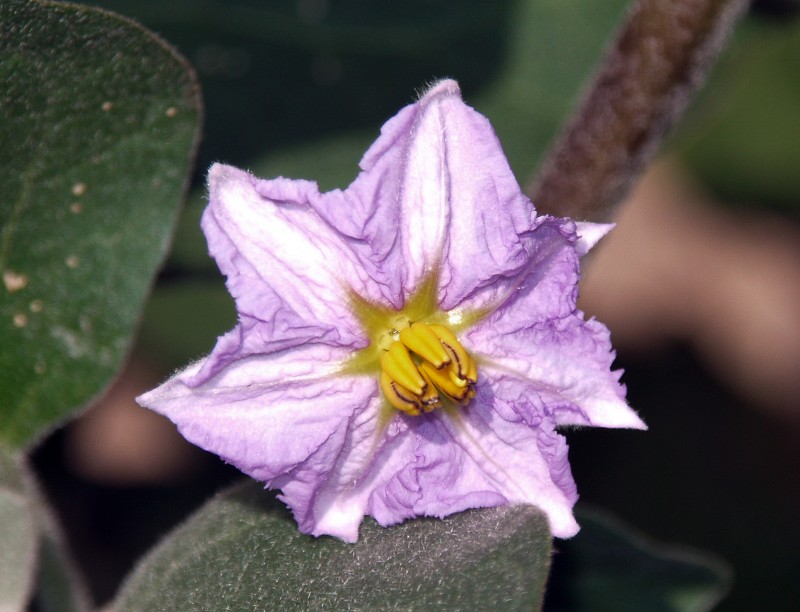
405, 347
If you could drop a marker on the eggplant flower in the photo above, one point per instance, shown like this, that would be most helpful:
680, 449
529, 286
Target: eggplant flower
405, 347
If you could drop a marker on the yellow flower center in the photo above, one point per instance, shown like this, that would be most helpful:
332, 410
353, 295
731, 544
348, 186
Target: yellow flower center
415, 353
424, 363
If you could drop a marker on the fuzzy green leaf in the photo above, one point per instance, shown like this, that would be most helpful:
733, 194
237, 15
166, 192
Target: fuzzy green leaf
59, 586
242, 551
98, 120
18, 534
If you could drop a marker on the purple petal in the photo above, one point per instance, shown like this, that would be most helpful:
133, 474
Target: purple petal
539, 335
435, 189
477, 458
249, 411
287, 269
283, 419
565, 364
462, 205
436, 465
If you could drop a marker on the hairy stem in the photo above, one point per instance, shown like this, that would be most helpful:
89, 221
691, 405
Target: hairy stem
659, 57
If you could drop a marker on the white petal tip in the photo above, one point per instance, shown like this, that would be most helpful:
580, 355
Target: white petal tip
589, 234
563, 524
341, 519
443, 87
625, 420
216, 171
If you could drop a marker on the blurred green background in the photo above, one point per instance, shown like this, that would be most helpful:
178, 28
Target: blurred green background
300, 88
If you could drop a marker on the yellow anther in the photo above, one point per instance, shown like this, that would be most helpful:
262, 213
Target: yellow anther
398, 397
472, 371
397, 363
465, 365
430, 399
410, 403
421, 339
426, 364
456, 378
454, 387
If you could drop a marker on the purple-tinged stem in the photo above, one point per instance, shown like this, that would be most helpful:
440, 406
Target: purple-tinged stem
659, 57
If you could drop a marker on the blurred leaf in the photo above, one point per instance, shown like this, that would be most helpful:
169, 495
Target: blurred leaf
242, 551
99, 120
32, 558
284, 72
608, 567
58, 587
743, 138
349, 65
18, 534
553, 48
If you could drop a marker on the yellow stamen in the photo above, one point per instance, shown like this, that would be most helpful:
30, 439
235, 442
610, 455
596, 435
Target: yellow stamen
452, 386
426, 363
421, 339
465, 363
397, 363
397, 396
430, 399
